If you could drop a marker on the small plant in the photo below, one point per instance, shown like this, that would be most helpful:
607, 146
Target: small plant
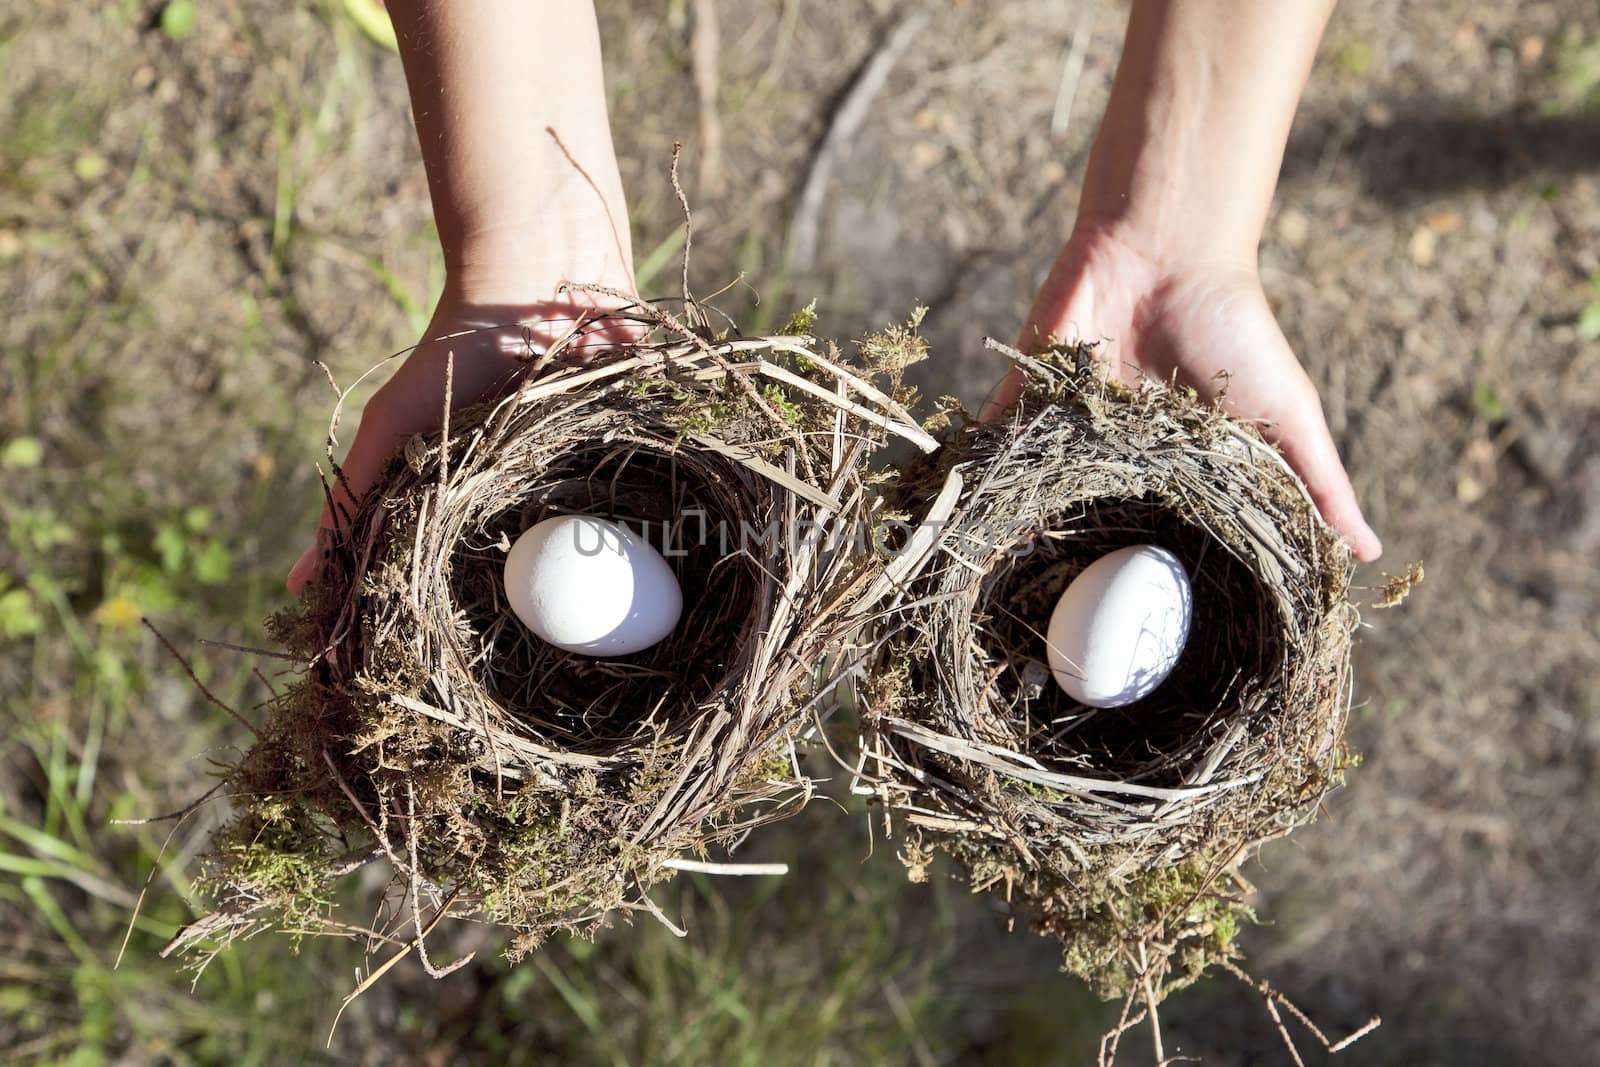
802, 322
1589, 317
1577, 87
19, 612
22, 453
1487, 402
177, 19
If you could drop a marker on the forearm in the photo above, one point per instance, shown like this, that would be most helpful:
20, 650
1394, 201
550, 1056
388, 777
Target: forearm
1188, 153
510, 109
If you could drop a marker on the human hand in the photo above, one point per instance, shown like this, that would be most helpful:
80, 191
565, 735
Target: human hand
483, 346
509, 102
1208, 323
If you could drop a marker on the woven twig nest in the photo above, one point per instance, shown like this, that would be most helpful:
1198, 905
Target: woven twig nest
499, 777
1116, 830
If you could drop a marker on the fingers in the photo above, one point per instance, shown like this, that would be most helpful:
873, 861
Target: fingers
1061, 305
1303, 438
305, 568
372, 446
1003, 395
471, 352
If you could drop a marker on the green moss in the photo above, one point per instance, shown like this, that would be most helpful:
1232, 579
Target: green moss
275, 851
896, 347
1101, 924
802, 322
713, 411
1041, 793
1200, 923
786, 408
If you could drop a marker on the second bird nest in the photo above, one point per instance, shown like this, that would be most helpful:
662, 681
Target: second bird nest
1118, 830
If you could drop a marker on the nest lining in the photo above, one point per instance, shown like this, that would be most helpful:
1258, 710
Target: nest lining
581, 704
1146, 742
1117, 830
503, 779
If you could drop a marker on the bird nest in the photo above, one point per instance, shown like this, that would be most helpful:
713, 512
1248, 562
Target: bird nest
500, 778
1118, 831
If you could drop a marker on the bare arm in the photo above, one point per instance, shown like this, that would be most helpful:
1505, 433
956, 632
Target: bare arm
1193, 136
510, 109
1161, 263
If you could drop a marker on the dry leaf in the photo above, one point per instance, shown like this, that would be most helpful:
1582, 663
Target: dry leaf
1443, 221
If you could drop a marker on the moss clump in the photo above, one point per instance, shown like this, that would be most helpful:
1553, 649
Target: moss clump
801, 323
1175, 906
275, 850
897, 346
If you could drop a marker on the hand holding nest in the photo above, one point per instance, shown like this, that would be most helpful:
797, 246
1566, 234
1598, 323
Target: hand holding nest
467, 353
1161, 266
527, 199
1208, 325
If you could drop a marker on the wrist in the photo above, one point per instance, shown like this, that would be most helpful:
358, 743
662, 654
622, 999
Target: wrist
506, 307
530, 259
1170, 208
479, 279
1142, 246
1188, 152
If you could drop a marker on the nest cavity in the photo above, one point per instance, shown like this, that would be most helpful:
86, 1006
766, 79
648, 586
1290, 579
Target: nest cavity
501, 778
1117, 830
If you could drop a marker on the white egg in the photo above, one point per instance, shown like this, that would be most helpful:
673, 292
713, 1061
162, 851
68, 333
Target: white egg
591, 586
1119, 628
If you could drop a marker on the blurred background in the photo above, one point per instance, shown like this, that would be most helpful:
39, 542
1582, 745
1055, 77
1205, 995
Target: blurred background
200, 200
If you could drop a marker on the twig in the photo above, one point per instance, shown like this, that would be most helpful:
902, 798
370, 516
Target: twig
370, 980
1274, 998
1283, 1032
252, 650
344, 787
617, 232
416, 892
161, 854
179, 814
699, 867
688, 227
264, 680
1367, 1028
1155, 1017
1108, 1056
654, 909
208, 694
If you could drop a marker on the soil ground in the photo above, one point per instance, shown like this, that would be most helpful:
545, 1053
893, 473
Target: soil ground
190, 216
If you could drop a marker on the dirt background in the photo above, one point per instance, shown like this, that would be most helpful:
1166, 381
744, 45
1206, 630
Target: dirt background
192, 214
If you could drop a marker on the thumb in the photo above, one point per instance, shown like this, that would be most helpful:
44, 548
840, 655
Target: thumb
1303, 438
372, 447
